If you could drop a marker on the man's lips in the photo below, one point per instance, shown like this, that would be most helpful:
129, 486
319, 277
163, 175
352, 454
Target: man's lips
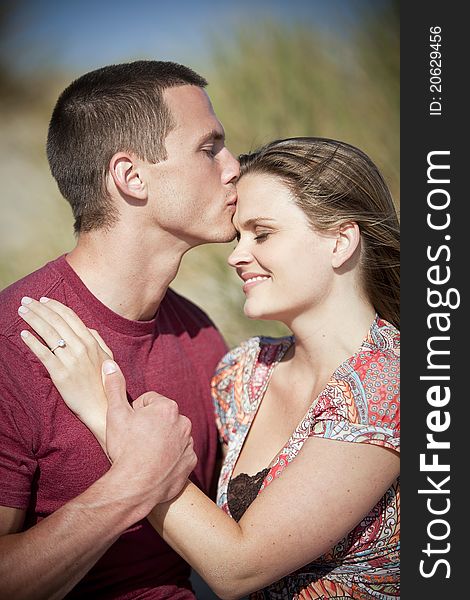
231, 204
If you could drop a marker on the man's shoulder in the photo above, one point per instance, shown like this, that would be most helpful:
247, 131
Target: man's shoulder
181, 316
41, 282
186, 309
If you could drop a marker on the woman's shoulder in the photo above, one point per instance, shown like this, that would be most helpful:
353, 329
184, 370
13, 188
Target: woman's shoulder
238, 377
361, 402
384, 337
378, 361
257, 347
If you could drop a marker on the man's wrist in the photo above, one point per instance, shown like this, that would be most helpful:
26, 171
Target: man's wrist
129, 492
117, 500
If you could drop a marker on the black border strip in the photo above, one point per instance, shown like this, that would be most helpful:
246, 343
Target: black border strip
434, 249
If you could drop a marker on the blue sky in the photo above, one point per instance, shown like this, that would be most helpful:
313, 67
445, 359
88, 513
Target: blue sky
83, 34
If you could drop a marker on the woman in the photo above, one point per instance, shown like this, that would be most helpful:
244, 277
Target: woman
310, 422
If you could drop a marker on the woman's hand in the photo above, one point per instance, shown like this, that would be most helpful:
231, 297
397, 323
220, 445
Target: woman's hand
149, 443
75, 368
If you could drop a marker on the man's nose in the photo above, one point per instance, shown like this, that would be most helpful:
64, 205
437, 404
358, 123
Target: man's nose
231, 171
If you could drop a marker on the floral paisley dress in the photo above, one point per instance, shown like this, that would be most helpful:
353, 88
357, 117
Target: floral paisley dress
359, 404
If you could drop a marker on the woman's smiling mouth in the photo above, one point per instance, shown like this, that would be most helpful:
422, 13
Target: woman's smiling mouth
252, 279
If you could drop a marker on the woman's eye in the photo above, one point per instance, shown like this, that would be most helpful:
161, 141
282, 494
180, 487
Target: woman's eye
261, 237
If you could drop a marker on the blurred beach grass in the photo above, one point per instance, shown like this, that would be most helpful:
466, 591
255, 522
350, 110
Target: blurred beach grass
271, 80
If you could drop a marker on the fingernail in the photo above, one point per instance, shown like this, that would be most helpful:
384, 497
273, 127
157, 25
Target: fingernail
109, 366
26, 300
43, 299
24, 334
23, 309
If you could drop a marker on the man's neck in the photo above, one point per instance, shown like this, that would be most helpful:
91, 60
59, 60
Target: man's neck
129, 274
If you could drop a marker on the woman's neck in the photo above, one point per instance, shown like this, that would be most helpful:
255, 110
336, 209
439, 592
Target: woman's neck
328, 335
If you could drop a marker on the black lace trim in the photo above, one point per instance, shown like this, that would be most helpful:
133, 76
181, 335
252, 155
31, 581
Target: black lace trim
242, 490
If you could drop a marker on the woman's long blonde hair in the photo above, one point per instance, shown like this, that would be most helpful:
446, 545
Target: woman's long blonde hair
334, 182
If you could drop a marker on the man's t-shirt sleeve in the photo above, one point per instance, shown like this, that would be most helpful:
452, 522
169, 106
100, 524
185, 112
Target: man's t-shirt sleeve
18, 426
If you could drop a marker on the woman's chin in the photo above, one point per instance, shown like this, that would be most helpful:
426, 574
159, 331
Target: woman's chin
251, 311
256, 312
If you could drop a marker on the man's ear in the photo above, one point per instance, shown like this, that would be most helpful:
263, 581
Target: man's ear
347, 241
124, 170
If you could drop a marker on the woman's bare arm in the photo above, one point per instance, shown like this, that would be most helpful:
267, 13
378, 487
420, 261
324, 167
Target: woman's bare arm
323, 494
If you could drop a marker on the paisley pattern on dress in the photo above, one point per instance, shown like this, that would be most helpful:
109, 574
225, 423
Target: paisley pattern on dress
360, 403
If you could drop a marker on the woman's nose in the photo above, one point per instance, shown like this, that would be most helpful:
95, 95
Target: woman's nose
240, 256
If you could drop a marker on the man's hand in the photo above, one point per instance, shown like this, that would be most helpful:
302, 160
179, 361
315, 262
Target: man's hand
149, 442
151, 445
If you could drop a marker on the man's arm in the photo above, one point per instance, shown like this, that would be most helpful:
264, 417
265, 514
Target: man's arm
50, 558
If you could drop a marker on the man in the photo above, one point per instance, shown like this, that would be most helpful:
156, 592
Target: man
139, 154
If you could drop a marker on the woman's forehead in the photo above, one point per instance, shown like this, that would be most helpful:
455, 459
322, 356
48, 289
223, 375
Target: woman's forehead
263, 197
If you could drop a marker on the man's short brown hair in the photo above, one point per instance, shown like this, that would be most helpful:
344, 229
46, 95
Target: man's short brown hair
115, 108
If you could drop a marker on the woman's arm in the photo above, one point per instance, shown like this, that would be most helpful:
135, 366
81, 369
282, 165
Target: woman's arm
319, 499
323, 494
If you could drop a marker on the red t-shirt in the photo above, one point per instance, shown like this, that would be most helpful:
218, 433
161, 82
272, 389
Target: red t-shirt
48, 457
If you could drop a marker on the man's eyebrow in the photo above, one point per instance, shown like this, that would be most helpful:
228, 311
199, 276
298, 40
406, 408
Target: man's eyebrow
214, 135
256, 220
